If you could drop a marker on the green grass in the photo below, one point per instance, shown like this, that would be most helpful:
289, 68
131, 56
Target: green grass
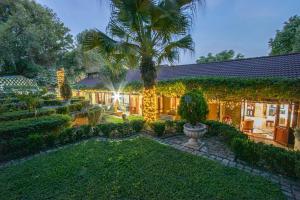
133, 169
115, 119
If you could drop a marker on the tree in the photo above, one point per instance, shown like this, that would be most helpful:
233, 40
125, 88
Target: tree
287, 40
31, 37
222, 56
145, 33
65, 90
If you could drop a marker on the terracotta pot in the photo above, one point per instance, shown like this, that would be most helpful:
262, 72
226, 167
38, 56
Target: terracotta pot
194, 133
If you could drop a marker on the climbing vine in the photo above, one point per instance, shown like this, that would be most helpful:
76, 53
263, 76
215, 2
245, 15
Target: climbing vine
228, 88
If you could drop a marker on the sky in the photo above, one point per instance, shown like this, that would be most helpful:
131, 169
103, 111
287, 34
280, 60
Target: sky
242, 25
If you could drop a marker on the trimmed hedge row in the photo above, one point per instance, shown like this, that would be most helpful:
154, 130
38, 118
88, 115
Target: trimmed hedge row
53, 102
25, 127
21, 114
279, 160
119, 130
22, 146
163, 128
72, 107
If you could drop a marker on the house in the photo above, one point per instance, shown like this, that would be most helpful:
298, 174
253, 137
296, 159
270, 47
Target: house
260, 96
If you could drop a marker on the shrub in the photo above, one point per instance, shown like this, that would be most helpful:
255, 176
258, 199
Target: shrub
84, 131
94, 115
106, 128
67, 136
169, 124
75, 107
21, 114
158, 128
50, 140
226, 131
62, 110
24, 127
17, 145
137, 125
179, 126
35, 142
258, 154
65, 90
12, 107
52, 102
193, 107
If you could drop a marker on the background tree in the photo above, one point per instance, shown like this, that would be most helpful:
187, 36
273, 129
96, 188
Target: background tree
31, 37
222, 56
287, 40
145, 33
66, 91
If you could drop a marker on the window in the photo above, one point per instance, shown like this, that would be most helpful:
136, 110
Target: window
250, 109
272, 110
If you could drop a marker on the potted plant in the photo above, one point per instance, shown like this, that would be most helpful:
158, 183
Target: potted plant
297, 139
193, 108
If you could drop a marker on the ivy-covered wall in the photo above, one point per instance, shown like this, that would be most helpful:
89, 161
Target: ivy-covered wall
230, 88
227, 88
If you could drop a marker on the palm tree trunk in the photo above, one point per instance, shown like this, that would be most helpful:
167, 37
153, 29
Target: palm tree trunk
148, 72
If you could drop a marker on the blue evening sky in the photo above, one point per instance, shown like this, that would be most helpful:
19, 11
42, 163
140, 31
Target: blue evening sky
242, 25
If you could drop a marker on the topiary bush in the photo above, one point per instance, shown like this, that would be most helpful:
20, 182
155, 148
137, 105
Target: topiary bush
193, 107
158, 128
137, 125
65, 90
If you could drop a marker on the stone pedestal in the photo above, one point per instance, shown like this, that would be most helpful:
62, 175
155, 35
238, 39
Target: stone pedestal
194, 133
297, 144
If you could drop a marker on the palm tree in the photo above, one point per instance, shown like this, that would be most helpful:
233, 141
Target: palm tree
146, 33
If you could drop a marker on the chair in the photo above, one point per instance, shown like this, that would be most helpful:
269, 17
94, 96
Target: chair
248, 125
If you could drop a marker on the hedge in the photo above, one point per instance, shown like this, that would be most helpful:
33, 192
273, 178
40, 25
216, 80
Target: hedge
21, 114
158, 128
53, 102
24, 127
119, 130
276, 159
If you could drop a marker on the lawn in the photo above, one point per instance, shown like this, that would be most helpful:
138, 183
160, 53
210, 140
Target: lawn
132, 169
115, 119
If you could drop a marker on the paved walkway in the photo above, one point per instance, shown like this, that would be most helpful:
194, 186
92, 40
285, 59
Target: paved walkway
213, 149
216, 150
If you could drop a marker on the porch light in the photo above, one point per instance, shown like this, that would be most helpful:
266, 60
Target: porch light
116, 97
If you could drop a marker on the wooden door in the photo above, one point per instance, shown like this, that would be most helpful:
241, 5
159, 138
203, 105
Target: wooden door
282, 135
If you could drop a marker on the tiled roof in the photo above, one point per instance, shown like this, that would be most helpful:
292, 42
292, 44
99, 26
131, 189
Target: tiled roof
283, 66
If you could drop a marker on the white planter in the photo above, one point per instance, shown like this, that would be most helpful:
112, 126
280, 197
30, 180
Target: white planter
297, 144
194, 133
